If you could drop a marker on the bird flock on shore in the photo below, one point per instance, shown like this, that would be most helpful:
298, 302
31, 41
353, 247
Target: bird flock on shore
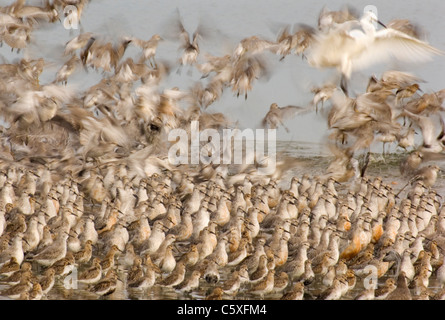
87, 192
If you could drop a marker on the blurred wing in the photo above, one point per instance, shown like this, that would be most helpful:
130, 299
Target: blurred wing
392, 44
373, 84
264, 122
267, 122
280, 29
425, 124
405, 26
402, 79
432, 156
291, 111
173, 29
442, 128
327, 47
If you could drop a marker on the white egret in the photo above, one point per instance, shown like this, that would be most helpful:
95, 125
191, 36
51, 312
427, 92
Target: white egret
355, 45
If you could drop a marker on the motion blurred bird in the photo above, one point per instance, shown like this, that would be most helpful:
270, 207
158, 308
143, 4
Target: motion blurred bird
189, 43
276, 116
251, 46
427, 174
428, 129
149, 49
357, 44
67, 69
328, 18
82, 41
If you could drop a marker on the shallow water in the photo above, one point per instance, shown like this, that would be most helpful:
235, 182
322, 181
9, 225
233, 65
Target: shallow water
313, 160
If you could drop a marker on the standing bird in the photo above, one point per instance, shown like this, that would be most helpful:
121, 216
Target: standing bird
401, 292
411, 163
93, 274
191, 283
295, 293
10, 267
107, 285
276, 115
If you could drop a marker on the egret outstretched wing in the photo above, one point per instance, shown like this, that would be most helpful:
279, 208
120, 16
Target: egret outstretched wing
392, 44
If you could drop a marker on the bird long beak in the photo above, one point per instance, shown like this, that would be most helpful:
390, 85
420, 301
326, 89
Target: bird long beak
382, 24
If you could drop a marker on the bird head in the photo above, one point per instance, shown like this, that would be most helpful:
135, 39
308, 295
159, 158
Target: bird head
371, 17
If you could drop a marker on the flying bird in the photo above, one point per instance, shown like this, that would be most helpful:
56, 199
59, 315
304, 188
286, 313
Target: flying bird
189, 42
357, 44
276, 115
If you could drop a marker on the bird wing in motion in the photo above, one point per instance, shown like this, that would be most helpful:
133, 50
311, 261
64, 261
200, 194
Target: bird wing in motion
276, 117
392, 44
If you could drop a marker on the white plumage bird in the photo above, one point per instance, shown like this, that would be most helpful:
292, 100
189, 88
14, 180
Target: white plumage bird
357, 44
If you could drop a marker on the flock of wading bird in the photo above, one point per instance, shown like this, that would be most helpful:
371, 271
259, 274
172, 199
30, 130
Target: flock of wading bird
87, 192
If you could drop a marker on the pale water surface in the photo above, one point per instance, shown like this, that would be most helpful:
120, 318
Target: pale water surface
313, 160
